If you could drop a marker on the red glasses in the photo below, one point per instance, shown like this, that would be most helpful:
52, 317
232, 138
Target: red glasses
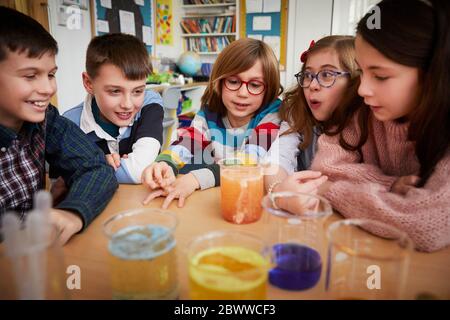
254, 87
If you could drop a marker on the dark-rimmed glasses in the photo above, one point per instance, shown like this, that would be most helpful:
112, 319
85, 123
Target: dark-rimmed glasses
325, 78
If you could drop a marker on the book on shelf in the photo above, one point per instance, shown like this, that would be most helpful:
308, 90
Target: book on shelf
209, 31
193, 2
184, 27
207, 44
208, 25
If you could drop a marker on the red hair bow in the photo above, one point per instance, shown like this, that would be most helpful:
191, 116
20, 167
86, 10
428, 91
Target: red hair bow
304, 55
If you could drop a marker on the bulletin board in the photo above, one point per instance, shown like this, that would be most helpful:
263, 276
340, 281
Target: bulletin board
266, 20
127, 16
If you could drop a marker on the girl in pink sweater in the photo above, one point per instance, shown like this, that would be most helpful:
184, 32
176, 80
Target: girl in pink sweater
392, 162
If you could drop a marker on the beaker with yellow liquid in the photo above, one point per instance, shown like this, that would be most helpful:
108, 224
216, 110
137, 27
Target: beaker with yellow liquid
228, 265
142, 252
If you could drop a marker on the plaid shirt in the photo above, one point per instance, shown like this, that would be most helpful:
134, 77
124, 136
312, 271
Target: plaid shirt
91, 182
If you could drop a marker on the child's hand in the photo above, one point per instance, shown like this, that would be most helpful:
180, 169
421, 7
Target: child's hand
298, 205
302, 181
182, 188
158, 175
67, 224
403, 184
113, 160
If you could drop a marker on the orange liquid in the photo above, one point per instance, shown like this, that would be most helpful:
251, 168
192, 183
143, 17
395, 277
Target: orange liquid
242, 191
229, 273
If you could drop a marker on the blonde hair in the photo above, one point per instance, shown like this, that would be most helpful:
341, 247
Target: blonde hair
238, 57
294, 108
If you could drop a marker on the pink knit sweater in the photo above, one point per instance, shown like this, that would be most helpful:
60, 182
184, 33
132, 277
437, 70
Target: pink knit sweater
361, 189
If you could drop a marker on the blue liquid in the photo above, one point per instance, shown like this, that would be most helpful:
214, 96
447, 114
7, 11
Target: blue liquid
141, 242
298, 267
143, 263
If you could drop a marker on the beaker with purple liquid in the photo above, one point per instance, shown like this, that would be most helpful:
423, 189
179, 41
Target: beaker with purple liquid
295, 229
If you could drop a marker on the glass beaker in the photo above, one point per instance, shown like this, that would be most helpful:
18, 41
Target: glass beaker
142, 254
32, 265
364, 266
295, 230
228, 265
241, 188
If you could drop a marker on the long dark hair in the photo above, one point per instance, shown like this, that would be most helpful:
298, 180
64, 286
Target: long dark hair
417, 34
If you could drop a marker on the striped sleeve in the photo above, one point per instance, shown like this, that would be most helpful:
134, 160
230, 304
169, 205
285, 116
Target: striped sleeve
189, 146
263, 135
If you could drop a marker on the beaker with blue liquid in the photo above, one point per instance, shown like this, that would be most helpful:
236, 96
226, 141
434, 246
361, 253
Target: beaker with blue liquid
295, 229
142, 254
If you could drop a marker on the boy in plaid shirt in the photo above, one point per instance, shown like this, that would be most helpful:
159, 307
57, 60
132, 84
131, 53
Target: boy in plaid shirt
32, 132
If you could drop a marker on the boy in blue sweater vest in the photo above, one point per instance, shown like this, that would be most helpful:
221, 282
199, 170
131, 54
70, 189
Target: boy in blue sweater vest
118, 114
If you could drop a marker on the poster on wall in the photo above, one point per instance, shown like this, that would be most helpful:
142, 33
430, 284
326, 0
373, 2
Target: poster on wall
132, 17
266, 20
164, 33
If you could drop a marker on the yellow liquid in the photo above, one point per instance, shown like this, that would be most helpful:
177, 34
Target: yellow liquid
229, 272
143, 272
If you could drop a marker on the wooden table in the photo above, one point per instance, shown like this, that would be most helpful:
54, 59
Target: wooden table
429, 273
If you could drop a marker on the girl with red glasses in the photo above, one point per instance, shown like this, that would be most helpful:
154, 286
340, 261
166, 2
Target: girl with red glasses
239, 113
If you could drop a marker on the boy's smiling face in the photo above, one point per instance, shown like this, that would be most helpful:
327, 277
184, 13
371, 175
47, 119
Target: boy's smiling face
118, 98
26, 87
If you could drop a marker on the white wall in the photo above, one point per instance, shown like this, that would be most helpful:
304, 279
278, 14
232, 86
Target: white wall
313, 19
71, 57
347, 13
308, 20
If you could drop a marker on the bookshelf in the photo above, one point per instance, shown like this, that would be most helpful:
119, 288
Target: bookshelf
208, 26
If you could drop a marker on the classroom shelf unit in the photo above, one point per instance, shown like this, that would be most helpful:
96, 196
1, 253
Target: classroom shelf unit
208, 26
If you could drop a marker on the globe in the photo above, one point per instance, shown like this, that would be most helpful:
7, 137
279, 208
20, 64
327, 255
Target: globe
189, 63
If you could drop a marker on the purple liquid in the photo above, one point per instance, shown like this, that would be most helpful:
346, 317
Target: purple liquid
298, 267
